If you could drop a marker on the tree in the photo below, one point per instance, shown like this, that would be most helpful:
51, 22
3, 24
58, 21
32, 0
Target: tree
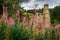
56, 13
40, 10
12, 5
11, 2
51, 15
1, 7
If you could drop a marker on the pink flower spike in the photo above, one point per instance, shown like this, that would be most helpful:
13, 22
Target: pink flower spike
57, 25
32, 38
18, 12
11, 21
24, 19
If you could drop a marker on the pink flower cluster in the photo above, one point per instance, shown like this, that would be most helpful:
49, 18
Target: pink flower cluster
11, 21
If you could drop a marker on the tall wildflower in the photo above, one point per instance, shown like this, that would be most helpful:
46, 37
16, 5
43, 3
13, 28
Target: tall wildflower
18, 12
42, 24
32, 38
58, 26
36, 20
5, 14
18, 15
24, 19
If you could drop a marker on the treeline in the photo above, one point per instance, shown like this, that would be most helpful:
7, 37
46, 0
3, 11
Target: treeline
55, 14
32, 11
1, 7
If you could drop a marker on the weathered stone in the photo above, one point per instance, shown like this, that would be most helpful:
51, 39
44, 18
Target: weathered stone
47, 15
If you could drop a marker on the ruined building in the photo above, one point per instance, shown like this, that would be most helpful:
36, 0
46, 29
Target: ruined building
46, 16
43, 19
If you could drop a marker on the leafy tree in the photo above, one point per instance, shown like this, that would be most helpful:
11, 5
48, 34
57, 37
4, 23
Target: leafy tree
51, 15
56, 13
11, 2
30, 11
12, 5
1, 7
40, 10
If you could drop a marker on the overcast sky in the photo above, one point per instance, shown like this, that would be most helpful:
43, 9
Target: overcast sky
30, 4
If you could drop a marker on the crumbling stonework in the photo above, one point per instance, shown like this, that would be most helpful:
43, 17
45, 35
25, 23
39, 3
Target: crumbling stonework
46, 16
42, 19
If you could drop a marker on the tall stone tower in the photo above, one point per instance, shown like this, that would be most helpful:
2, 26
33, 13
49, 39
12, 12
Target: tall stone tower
46, 16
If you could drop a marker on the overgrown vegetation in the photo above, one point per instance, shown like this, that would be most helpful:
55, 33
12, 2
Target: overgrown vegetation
21, 33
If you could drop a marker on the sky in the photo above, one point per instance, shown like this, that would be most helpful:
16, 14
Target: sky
30, 4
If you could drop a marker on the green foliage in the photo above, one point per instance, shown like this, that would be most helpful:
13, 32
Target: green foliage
40, 10
51, 15
53, 34
2, 31
12, 5
57, 13
46, 34
28, 34
30, 11
39, 37
1, 7
19, 33
11, 2
50, 34
33, 11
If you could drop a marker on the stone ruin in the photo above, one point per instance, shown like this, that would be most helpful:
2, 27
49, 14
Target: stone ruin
42, 20
46, 16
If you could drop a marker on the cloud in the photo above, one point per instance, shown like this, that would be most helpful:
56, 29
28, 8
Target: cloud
30, 4
26, 1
